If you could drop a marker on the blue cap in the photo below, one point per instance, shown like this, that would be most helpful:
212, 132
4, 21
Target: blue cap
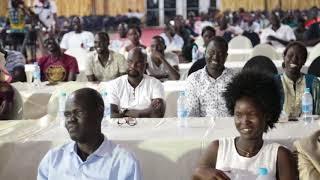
63, 94
263, 171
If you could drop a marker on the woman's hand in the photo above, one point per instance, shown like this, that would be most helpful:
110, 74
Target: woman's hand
206, 173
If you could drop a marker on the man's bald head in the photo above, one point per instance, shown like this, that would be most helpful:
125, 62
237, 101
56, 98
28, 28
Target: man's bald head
89, 99
136, 53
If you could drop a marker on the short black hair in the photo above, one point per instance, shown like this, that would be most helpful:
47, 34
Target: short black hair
159, 38
261, 88
103, 35
91, 99
221, 41
208, 28
299, 44
136, 28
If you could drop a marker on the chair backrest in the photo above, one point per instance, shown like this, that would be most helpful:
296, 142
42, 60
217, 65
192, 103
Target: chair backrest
240, 42
265, 50
315, 53
261, 64
314, 67
67, 88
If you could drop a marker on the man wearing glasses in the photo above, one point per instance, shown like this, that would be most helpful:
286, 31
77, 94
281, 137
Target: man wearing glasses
136, 94
91, 155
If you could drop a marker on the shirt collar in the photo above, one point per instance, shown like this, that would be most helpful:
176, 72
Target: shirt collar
105, 149
288, 80
110, 58
224, 72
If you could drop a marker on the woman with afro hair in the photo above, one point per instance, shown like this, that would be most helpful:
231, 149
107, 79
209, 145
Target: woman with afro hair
254, 100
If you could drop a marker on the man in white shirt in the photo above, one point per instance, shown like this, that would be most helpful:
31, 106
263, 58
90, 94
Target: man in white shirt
47, 12
136, 94
162, 65
278, 35
77, 38
172, 40
120, 40
205, 86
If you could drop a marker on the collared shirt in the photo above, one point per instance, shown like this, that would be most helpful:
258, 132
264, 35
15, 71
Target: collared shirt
45, 11
153, 69
284, 32
85, 40
14, 59
204, 93
116, 66
57, 70
122, 94
108, 162
175, 44
292, 98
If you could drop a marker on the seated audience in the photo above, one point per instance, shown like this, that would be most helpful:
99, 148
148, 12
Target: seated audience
254, 101
104, 64
136, 94
292, 82
205, 86
162, 65
134, 35
172, 40
121, 40
57, 66
77, 38
309, 157
14, 62
278, 35
91, 155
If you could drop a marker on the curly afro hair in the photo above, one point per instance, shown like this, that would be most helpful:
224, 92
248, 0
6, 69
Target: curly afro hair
261, 88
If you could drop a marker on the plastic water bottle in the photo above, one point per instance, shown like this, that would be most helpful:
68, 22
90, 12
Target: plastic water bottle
36, 75
107, 109
62, 104
182, 110
307, 106
263, 174
194, 53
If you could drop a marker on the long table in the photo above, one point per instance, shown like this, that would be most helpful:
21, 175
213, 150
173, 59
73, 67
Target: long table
36, 99
165, 151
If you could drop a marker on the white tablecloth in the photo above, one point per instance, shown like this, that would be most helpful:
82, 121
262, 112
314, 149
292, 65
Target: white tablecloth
36, 99
164, 150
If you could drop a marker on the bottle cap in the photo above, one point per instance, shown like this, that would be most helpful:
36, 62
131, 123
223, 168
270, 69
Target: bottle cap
307, 90
63, 94
263, 171
182, 93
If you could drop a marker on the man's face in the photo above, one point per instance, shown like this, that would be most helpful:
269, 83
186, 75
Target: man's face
76, 24
274, 20
52, 45
101, 44
133, 35
136, 65
207, 35
81, 121
216, 55
122, 30
156, 45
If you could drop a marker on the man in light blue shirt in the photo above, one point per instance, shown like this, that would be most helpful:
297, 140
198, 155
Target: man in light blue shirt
91, 156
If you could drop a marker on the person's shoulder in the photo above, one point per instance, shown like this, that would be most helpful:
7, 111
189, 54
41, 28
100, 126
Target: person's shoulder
196, 75
69, 58
123, 155
59, 151
117, 55
285, 27
230, 71
87, 33
119, 81
151, 79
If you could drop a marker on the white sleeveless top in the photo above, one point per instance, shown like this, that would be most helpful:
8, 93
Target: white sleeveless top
228, 159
